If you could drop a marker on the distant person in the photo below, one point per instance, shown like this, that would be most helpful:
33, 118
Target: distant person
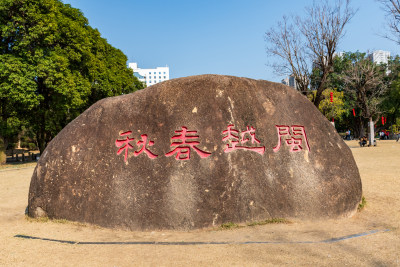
398, 136
363, 141
348, 133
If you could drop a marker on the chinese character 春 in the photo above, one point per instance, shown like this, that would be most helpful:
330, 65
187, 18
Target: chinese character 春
183, 148
293, 137
232, 135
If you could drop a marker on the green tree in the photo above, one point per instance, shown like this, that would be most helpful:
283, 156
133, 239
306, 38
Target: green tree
391, 103
335, 109
334, 80
57, 66
364, 81
17, 95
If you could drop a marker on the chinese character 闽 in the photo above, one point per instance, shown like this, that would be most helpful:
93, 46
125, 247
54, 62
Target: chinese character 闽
293, 136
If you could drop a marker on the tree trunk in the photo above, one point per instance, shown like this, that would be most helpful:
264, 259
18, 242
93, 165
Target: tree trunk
362, 129
3, 156
318, 96
321, 86
371, 132
43, 106
41, 140
359, 127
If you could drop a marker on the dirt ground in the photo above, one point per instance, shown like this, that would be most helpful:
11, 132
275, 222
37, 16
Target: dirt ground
299, 243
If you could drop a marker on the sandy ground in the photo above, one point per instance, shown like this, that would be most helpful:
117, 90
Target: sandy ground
298, 243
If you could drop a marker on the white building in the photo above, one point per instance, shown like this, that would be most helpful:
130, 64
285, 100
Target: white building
290, 81
380, 57
150, 76
338, 54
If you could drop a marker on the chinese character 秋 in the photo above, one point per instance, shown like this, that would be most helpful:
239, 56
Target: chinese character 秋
233, 137
144, 148
124, 144
293, 137
182, 149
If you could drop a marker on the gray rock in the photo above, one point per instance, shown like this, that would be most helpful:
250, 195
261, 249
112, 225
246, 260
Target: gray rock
244, 150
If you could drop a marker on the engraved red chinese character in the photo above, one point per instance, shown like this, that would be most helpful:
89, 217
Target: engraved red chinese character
144, 148
124, 144
233, 137
182, 149
252, 133
293, 137
295, 144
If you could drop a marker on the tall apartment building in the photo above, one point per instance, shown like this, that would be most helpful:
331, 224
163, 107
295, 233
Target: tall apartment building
150, 76
290, 81
380, 57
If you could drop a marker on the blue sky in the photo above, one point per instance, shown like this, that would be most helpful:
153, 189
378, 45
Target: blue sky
218, 37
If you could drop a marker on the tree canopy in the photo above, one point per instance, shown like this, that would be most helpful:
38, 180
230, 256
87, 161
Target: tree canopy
53, 66
305, 44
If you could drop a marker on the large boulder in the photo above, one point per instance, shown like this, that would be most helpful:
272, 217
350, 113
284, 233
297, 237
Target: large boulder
196, 152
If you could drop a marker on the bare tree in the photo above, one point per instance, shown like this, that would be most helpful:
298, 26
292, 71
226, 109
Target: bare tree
392, 8
364, 80
303, 43
285, 43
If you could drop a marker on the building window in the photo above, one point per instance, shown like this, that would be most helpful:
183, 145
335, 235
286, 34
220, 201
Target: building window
159, 72
159, 77
155, 73
165, 77
149, 81
164, 72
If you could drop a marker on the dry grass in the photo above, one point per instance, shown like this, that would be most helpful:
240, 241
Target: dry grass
380, 172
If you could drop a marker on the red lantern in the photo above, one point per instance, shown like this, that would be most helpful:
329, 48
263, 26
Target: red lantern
331, 97
354, 112
383, 120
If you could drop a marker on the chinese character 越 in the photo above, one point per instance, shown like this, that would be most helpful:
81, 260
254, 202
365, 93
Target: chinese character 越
183, 148
293, 136
232, 135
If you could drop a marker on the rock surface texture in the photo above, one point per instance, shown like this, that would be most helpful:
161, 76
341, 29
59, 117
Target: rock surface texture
197, 152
